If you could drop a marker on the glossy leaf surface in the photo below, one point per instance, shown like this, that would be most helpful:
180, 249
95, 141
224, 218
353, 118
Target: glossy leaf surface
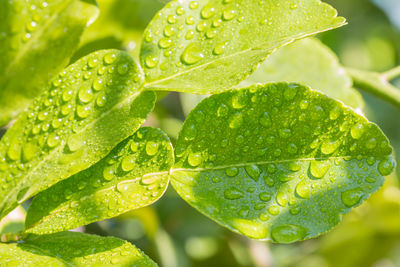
135, 174
278, 162
84, 113
208, 46
73, 249
37, 39
308, 62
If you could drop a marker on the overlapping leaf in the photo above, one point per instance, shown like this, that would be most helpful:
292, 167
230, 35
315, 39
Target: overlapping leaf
278, 162
37, 39
135, 174
73, 249
311, 63
84, 113
208, 46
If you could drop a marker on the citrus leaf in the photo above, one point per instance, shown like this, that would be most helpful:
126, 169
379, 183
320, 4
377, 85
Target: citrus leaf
278, 162
84, 113
73, 249
135, 174
319, 67
208, 46
37, 40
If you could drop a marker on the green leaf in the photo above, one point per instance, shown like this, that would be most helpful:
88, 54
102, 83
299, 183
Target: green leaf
208, 46
135, 174
73, 249
84, 113
278, 162
308, 62
37, 39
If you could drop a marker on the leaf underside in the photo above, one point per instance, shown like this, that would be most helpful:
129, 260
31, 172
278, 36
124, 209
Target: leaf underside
73, 249
135, 174
278, 162
37, 40
83, 114
208, 46
311, 63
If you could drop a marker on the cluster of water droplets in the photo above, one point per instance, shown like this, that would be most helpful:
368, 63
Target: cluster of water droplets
55, 119
299, 161
132, 175
27, 17
191, 33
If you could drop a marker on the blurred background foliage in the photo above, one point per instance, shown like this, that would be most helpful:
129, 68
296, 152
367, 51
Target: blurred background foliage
174, 234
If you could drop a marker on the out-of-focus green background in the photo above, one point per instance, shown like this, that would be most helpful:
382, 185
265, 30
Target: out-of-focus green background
174, 234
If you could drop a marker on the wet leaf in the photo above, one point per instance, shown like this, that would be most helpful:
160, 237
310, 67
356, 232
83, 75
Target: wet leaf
37, 39
278, 162
208, 46
135, 174
83, 114
308, 62
73, 249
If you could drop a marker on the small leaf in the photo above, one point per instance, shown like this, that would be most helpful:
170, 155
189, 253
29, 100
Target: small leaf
308, 62
278, 162
208, 46
84, 113
73, 249
37, 39
135, 174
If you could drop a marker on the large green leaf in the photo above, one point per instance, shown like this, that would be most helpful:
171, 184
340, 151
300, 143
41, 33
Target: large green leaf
37, 40
73, 249
308, 62
135, 174
207, 46
84, 113
278, 162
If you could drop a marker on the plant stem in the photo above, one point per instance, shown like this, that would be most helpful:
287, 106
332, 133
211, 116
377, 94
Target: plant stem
392, 74
378, 84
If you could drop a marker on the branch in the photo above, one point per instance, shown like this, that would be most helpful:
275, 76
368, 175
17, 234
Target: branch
378, 84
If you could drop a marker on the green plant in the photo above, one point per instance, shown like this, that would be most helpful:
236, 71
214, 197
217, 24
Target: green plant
275, 161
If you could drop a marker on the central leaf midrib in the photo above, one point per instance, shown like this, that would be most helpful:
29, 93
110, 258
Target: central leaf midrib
221, 167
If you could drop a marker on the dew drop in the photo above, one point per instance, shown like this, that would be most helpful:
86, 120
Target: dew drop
108, 173
352, 197
357, 130
149, 179
150, 61
252, 229
318, 169
282, 199
110, 58
330, 146
194, 5
189, 20
53, 140
265, 196
229, 14
219, 49
83, 111
85, 95
236, 120
151, 148
239, 101
265, 120
165, 42
223, 110
303, 189
371, 143
74, 143
233, 193
253, 171
208, 11
194, 159
385, 167
128, 163
192, 54
288, 233
169, 31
